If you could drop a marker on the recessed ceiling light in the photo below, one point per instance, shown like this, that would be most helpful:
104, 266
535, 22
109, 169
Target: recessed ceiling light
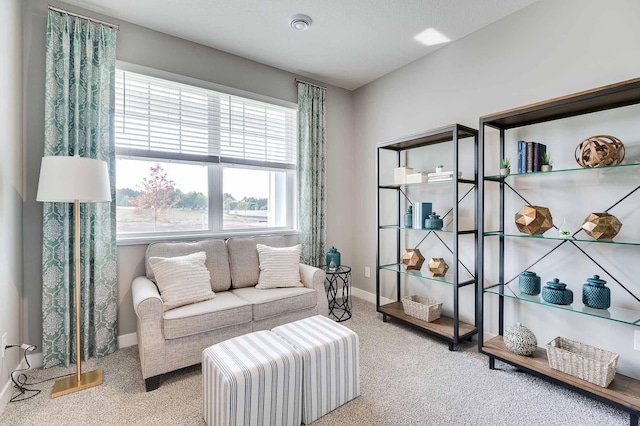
300, 22
431, 36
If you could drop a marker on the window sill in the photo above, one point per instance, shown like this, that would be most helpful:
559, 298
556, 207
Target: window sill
136, 240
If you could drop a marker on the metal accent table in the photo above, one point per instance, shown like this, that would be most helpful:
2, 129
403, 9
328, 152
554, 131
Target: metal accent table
338, 291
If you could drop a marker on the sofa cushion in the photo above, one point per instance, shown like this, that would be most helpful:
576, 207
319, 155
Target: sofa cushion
182, 280
225, 310
279, 266
277, 301
217, 260
243, 258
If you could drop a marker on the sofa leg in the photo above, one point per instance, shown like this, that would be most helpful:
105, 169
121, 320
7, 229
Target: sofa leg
152, 383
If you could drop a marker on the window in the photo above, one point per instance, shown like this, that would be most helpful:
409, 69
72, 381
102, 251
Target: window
191, 160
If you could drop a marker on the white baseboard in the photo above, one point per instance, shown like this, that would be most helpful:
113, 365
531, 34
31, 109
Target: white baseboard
35, 360
127, 340
369, 297
5, 396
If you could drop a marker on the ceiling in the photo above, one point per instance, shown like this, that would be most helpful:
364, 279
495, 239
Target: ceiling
349, 44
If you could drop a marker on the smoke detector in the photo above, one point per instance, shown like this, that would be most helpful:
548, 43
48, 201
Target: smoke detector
300, 22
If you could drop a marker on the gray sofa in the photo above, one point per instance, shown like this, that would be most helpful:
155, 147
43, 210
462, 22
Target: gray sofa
175, 339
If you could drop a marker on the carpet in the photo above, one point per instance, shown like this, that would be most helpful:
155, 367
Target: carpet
407, 378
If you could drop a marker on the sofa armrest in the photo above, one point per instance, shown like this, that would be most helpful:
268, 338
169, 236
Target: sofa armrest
313, 277
147, 302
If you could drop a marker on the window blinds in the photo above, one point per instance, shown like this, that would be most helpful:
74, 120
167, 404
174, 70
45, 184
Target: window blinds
175, 120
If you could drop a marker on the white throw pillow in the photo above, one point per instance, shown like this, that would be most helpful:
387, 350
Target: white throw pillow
279, 266
182, 280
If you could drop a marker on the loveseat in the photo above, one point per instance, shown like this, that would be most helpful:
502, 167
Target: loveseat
173, 339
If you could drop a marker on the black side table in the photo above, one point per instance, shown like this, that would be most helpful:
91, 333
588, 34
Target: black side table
338, 292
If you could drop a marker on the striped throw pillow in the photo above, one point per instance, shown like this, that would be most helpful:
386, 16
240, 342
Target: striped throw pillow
182, 280
279, 266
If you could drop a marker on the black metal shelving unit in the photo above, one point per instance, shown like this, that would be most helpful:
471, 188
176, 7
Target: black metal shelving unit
450, 329
624, 392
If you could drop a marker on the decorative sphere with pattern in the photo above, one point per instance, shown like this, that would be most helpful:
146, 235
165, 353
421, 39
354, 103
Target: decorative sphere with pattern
520, 340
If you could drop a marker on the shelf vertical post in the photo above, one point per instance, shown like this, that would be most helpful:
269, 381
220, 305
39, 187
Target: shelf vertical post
377, 229
479, 219
455, 235
398, 256
501, 248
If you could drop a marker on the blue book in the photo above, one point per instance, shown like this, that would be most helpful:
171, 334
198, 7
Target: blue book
538, 150
522, 156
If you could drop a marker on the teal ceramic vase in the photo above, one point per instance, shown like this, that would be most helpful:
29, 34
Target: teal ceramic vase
557, 293
408, 218
333, 255
595, 294
433, 222
529, 283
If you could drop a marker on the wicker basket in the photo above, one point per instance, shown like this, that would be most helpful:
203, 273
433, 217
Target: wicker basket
422, 308
585, 362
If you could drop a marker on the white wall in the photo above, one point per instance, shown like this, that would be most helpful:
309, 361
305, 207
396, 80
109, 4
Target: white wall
153, 49
549, 49
10, 187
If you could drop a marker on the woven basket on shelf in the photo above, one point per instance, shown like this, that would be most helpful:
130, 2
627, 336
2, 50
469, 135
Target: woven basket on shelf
585, 362
422, 308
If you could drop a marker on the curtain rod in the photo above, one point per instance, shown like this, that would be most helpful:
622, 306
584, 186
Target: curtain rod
309, 83
108, 24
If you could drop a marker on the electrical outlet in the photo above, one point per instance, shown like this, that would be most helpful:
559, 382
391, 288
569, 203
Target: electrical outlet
636, 340
4, 344
367, 272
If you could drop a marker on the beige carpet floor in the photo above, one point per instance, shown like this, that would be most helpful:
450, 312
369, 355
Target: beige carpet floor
407, 378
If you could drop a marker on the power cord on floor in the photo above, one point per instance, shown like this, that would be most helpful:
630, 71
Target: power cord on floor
20, 382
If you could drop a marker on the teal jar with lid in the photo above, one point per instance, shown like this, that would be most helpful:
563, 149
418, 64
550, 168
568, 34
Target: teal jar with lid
557, 293
433, 222
595, 294
408, 218
529, 283
333, 255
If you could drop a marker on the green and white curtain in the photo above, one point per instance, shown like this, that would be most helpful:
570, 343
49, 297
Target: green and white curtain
312, 180
79, 101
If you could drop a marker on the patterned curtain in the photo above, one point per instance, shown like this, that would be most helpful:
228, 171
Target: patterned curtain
79, 102
312, 180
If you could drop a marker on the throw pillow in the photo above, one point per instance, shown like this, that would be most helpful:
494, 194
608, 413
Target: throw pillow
279, 266
182, 280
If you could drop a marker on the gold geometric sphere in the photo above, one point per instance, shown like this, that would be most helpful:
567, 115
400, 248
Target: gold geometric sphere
438, 266
534, 220
412, 259
602, 226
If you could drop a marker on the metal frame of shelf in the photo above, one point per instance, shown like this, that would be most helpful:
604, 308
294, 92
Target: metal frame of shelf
451, 329
623, 393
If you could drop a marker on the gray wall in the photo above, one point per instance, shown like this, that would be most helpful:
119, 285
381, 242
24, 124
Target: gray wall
548, 49
11, 191
153, 49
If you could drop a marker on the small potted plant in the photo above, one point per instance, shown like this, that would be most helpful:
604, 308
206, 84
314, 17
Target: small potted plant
546, 162
440, 169
505, 166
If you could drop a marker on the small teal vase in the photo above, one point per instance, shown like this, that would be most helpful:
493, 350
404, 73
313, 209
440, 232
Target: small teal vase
529, 283
595, 294
557, 293
433, 222
408, 218
333, 255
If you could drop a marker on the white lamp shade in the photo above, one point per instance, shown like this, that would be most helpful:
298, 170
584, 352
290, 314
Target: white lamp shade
66, 179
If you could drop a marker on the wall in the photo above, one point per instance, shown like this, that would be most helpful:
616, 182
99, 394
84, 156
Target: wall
150, 48
545, 50
11, 191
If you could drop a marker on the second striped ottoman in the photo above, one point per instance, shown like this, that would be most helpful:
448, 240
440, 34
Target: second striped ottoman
331, 363
252, 380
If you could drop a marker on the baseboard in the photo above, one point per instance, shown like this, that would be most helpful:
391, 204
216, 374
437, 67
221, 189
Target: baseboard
127, 340
369, 297
5, 396
35, 360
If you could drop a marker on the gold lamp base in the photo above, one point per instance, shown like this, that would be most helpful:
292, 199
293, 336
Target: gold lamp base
71, 384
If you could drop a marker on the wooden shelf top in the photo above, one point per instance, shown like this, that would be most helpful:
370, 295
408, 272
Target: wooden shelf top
623, 390
615, 95
442, 327
435, 136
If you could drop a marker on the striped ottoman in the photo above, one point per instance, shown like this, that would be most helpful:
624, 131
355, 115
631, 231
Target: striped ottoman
331, 367
255, 379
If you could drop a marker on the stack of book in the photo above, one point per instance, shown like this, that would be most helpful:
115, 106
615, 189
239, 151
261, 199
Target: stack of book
530, 156
421, 211
440, 176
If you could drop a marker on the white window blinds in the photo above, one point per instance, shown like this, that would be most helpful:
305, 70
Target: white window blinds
174, 120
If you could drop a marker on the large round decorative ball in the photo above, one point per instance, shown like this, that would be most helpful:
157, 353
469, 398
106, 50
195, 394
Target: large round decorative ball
412, 259
534, 220
438, 267
602, 226
520, 340
600, 150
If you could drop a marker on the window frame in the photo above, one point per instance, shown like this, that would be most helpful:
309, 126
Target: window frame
215, 165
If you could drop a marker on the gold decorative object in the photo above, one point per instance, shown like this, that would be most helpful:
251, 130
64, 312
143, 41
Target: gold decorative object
602, 226
600, 150
438, 266
412, 259
534, 220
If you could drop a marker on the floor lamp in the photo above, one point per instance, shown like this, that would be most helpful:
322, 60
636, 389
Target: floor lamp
79, 180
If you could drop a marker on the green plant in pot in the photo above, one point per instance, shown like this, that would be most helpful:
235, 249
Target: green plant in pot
547, 162
505, 166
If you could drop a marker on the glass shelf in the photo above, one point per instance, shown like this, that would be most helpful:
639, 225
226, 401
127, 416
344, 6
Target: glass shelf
609, 170
439, 183
577, 240
415, 229
627, 316
447, 279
